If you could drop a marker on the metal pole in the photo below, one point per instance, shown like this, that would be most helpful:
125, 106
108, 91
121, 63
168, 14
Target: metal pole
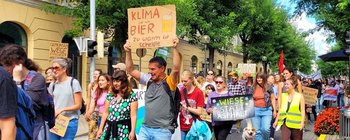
205, 59
140, 64
92, 36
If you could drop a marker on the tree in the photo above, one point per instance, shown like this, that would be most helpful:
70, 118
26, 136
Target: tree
332, 15
330, 69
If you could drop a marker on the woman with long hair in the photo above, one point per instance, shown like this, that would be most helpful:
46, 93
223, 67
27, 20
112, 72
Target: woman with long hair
264, 104
67, 96
221, 128
92, 118
291, 115
195, 99
24, 71
119, 117
287, 73
98, 105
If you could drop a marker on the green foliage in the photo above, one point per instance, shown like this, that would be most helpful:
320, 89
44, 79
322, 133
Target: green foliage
263, 28
329, 69
333, 15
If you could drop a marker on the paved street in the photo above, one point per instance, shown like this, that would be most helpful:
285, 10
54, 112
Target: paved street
308, 134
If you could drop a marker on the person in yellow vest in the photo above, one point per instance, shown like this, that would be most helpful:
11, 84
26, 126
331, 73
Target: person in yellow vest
292, 112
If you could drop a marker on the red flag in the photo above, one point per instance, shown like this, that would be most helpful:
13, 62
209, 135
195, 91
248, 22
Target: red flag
281, 63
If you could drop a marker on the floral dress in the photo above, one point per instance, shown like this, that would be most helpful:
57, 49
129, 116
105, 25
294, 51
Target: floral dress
118, 124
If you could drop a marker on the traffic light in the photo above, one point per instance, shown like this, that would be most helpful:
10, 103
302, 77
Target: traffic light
91, 48
101, 45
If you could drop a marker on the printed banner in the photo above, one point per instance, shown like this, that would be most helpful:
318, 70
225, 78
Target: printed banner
61, 124
58, 50
141, 113
310, 95
330, 94
248, 70
233, 108
152, 27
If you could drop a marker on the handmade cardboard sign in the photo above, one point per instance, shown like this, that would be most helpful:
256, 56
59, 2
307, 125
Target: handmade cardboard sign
310, 95
233, 108
61, 125
151, 27
58, 50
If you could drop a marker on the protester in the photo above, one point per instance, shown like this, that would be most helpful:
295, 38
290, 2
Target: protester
209, 79
205, 116
195, 99
24, 71
236, 88
221, 128
8, 106
90, 99
287, 73
49, 71
292, 112
97, 107
264, 105
119, 116
271, 81
122, 66
67, 96
200, 81
340, 95
50, 79
159, 119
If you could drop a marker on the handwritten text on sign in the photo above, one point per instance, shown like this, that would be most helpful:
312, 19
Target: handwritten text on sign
310, 95
233, 108
151, 27
61, 125
58, 50
246, 69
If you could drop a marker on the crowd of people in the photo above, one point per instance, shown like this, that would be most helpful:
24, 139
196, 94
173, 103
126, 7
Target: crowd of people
111, 105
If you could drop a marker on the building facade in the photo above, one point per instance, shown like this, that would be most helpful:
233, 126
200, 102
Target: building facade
23, 22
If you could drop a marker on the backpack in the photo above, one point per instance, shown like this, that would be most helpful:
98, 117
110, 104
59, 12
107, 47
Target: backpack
174, 101
25, 117
83, 107
48, 110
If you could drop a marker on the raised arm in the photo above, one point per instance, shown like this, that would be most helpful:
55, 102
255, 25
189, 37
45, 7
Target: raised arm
128, 62
176, 61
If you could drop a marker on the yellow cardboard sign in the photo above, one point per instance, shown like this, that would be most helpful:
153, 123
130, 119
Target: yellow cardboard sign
61, 125
152, 27
58, 50
310, 95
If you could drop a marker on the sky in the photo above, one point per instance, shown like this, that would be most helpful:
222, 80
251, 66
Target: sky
305, 23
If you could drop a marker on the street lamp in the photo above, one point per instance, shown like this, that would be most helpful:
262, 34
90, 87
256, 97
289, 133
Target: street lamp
264, 59
205, 40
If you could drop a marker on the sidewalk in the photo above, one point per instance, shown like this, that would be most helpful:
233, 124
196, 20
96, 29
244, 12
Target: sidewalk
83, 127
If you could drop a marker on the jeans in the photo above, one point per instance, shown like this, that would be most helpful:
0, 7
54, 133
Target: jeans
99, 121
340, 99
70, 133
147, 133
261, 122
183, 135
319, 104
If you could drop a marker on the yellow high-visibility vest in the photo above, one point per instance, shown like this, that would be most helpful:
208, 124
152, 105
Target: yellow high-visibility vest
292, 118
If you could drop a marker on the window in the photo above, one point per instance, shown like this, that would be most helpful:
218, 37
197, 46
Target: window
194, 61
11, 32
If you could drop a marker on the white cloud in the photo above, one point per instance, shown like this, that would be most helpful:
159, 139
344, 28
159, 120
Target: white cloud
318, 39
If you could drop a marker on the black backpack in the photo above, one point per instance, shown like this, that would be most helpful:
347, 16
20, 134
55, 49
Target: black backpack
175, 99
83, 107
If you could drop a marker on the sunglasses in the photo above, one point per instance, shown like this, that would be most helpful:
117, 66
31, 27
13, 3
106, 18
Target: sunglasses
56, 68
210, 74
219, 82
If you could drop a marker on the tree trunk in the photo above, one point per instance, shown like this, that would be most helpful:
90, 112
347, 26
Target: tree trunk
245, 52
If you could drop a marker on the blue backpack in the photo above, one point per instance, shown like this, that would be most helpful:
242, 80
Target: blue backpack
25, 116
